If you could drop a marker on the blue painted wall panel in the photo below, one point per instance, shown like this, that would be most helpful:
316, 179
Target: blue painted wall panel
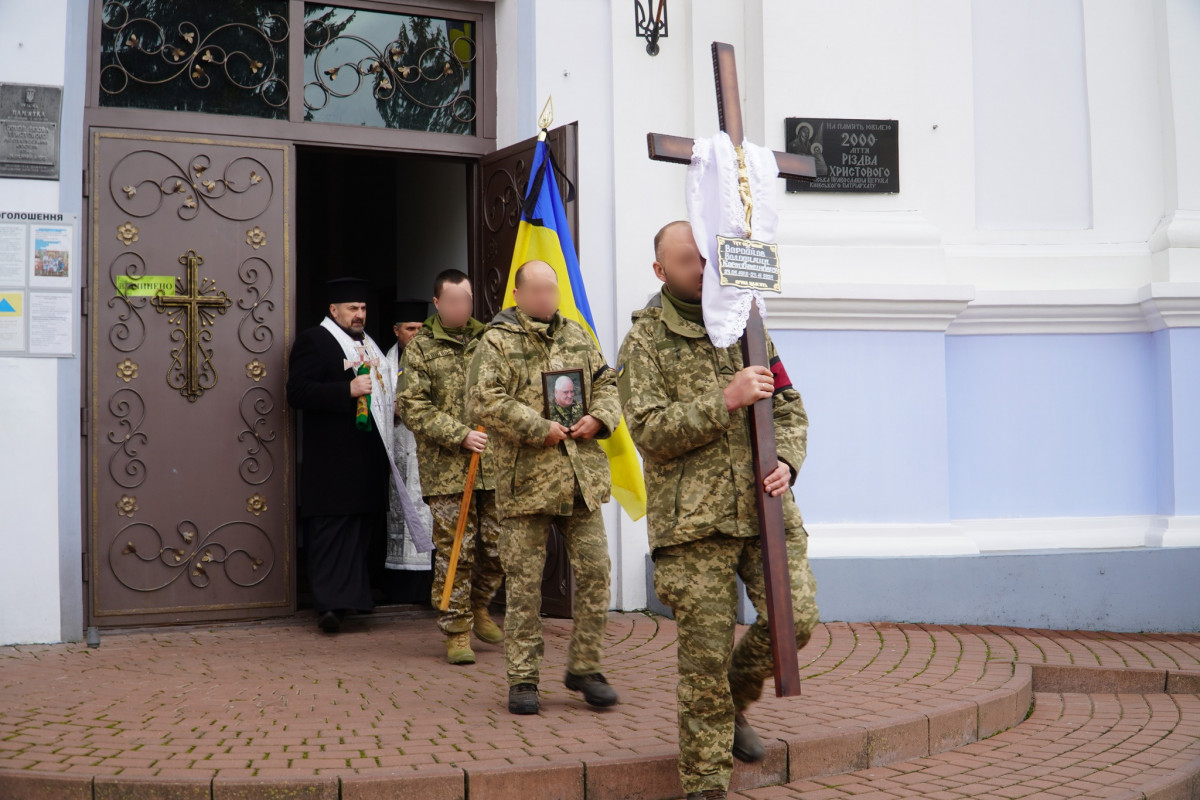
876, 402
1052, 425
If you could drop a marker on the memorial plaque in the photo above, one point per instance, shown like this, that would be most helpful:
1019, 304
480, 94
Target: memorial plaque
29, 127
748, 264
852, 155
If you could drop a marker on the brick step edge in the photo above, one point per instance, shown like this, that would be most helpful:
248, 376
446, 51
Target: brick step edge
826, 750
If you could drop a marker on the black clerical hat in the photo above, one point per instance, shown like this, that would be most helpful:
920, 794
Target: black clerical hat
410, 311
347, 290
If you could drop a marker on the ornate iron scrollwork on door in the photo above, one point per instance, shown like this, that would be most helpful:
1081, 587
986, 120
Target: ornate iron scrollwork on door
255, 407
221, 58
125, 466
253, 331
198, 184
241, 548
420, 80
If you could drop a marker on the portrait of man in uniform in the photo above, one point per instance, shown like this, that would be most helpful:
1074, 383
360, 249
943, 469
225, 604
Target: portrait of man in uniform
565, 401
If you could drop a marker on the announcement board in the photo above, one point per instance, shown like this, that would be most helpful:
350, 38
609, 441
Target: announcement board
852, 155
38, 283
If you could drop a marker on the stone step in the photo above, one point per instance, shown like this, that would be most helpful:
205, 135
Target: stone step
233, 711
1122, 746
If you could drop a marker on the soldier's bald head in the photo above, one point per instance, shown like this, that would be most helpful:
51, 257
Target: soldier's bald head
535, 289
678, 262
680, 227
535, 266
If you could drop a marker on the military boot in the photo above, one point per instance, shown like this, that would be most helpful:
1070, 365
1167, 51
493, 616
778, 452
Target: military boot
746, 744
487, 630
523, 698
708, 794
458, 648
595, 688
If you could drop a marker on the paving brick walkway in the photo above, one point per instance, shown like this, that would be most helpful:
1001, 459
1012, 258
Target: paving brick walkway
375, 712
1072, 745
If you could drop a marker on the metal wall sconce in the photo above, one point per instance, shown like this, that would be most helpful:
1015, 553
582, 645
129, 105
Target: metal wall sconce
650, 29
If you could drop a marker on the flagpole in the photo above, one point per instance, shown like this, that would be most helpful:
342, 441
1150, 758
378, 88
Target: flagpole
546, 118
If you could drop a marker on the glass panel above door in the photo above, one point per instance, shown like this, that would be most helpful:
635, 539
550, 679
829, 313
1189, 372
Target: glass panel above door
375, 69
183, 55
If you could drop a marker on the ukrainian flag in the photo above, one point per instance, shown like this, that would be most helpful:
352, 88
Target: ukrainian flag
543, 235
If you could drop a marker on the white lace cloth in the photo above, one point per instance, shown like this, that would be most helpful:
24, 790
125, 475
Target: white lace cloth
402, 552
715, 209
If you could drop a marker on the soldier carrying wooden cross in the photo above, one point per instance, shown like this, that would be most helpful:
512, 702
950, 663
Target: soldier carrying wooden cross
722, 433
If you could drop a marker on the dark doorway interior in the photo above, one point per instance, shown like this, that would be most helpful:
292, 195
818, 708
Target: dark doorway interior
396, 220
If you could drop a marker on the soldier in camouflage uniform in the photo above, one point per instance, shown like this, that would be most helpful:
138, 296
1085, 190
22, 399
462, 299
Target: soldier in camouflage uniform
431, 400
686, 406
546, 473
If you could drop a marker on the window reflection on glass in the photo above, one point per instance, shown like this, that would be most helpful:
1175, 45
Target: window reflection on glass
389, 70
193, 55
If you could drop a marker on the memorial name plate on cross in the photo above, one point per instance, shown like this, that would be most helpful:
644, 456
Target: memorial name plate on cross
678, 149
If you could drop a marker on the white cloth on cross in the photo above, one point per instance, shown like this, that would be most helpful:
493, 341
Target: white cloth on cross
402, 553
383, 415
715, 209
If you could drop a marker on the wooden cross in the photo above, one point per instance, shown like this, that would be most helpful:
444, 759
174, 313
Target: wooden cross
193, 311
780, 622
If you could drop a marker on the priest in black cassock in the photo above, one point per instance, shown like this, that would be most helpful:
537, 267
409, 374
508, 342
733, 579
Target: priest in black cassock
344, 469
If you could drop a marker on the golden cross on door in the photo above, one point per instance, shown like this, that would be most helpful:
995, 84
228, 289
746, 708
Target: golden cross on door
678, 149
192, 371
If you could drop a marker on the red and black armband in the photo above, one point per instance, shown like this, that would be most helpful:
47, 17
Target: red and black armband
782, 381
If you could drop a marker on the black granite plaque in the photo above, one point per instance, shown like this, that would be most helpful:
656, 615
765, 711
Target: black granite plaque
29, 123
748, 264
853, 155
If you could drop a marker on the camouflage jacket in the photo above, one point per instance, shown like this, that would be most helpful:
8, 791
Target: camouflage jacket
506, 397
696, 453
431, 398
566, 415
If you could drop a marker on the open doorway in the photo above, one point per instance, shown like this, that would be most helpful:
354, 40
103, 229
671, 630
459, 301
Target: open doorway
396, 220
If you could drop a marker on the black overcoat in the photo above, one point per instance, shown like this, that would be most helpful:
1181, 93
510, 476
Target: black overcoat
342, 470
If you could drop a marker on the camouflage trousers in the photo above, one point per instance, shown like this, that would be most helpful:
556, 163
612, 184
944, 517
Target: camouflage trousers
698, 582
523, 554
478, 575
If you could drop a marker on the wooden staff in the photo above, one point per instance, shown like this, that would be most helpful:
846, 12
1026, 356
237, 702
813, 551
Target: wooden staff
460, 528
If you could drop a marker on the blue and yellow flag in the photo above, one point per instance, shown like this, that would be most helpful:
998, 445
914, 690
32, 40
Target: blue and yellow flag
543, 235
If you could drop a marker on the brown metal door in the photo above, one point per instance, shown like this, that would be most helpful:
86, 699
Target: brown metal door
190, 499
502, 179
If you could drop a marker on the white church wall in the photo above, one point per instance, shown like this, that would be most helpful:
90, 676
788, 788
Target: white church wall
29, 576
39, 471
1032, 137
1176, 241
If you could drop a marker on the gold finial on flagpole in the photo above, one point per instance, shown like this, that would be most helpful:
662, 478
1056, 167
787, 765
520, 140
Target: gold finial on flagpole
546, 118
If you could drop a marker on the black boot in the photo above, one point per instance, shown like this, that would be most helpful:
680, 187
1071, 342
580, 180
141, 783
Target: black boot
708, 794
330, 622
595, 688
746, 744
523, 699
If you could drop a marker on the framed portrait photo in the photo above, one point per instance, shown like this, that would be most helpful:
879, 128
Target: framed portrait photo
563, 392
